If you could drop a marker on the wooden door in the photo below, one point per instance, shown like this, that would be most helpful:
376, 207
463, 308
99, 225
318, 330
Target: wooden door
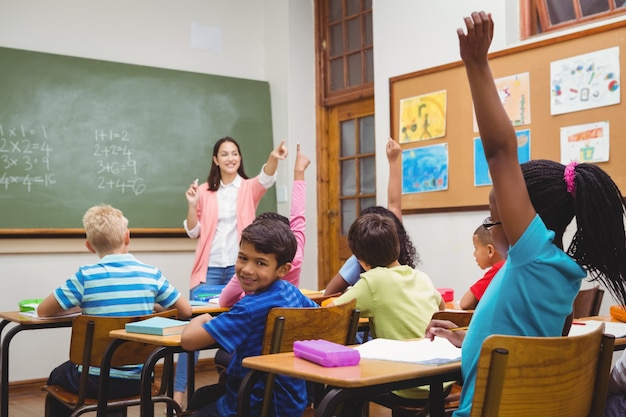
347, 180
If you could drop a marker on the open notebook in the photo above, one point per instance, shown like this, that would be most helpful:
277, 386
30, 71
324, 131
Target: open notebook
422, 351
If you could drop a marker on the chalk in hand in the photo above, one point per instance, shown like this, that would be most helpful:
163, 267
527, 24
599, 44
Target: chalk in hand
195, 182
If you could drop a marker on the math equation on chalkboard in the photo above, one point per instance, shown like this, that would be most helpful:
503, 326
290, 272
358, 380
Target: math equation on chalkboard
33, 158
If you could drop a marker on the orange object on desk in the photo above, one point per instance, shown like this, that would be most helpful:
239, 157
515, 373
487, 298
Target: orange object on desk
618, 312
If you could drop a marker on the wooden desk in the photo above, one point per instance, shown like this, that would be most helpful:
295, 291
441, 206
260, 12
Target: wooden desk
21, 323
363, 381
163, 346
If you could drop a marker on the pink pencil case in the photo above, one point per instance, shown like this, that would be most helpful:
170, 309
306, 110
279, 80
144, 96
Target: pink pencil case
325, 353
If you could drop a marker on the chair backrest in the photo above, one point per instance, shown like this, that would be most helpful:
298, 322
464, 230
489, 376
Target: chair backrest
461, 318
286, 325
587, 302
90, 339
543, 376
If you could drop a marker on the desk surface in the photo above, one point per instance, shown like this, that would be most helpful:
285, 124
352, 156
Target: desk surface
368, 372
153, 339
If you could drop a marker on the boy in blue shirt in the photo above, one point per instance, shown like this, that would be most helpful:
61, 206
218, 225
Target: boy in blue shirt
117, 285
266, 249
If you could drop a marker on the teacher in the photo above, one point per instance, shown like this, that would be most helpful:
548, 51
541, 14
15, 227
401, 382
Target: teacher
221, 208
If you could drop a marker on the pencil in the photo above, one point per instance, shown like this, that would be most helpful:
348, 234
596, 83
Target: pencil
456, 329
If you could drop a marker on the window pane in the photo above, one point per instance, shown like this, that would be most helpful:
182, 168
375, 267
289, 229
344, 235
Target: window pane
620, 3
354, 70
560, 11
354, 34
589, 7
366, 130
368, 4
368, 175
336, 40
353, 7
368, 32
367, 202
348, 147
348, 215
334, 10
369, 65
336, 74
348, 178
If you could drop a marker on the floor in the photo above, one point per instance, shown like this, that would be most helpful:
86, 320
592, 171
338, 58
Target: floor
30, 403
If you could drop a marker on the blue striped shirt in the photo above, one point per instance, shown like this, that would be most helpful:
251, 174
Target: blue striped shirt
118, 285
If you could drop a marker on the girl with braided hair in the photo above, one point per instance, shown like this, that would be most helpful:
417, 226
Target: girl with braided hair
530, 206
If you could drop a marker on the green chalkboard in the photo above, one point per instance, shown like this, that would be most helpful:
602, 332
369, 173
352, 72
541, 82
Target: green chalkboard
77, 132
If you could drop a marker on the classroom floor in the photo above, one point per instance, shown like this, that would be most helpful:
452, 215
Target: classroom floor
30, 403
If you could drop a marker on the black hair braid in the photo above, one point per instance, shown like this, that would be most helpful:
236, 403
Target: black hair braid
548, 194
408, 253
599, 244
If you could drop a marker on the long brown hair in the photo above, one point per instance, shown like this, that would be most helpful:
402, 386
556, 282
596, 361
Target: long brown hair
215, 176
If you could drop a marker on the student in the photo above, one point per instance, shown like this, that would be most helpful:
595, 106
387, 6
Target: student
233, 291
486, 256
531, 206
102, 289
351, 270
218, 211
616, 399
398, 300
265, 254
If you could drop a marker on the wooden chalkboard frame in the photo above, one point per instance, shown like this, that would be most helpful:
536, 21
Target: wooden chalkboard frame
76, 113
535, 59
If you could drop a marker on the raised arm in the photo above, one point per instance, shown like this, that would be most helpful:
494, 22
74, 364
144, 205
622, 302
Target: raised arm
279, 153
394, 188
514, 207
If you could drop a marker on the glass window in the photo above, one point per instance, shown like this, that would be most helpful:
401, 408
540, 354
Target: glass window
366, 133
368, 175
348, 215
348, 134
348, 177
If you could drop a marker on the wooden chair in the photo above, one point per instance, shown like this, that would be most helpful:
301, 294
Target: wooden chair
90, 339
419, 407
543, 376
286, 325
587, 302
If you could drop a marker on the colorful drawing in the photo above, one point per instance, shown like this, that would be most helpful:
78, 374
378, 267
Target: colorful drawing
481, 169
514, 92
425, 169
585, 143
585, 81
423, 117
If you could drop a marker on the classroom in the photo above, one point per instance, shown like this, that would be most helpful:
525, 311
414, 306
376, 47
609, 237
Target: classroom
266, 40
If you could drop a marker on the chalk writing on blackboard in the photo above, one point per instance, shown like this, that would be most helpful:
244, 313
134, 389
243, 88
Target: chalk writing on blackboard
25, 158
116, 169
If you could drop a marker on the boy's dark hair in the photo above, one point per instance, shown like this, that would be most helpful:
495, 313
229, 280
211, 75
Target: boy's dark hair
271, 236
408, 253
272, 215
483, 235
373, 239
599, 243
215, 176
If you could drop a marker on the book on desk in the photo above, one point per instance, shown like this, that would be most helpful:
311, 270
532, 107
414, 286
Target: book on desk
160, 326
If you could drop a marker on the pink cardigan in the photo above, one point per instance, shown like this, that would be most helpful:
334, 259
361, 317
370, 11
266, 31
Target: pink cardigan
233, 291
248, 197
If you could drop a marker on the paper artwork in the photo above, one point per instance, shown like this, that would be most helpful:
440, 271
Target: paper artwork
585, 143
423, 117
514, 92
585, 81
481, 169
425, 169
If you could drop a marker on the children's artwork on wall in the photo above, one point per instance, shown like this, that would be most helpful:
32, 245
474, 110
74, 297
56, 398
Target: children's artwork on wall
585, 143
425, 169
514, 92
481, 169
585, 81
423, 117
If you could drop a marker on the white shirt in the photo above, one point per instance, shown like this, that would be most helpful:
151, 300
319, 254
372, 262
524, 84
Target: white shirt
225, 245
